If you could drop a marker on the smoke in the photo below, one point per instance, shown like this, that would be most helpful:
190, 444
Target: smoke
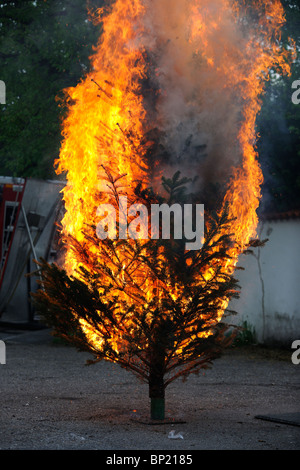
197, 50
205, 62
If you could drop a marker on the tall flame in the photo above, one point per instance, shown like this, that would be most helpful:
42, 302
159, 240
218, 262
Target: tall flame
193, 69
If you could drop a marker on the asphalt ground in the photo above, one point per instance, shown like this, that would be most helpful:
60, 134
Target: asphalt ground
50, 400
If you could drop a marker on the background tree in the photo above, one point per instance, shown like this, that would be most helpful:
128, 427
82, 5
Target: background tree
279, 129
44, 48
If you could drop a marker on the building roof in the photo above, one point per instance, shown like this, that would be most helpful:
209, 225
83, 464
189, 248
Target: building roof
287, 215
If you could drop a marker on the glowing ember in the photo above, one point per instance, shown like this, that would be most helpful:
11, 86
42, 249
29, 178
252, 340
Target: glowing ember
174, 85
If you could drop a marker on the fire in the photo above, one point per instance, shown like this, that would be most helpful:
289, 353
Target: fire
106, 123
193, 69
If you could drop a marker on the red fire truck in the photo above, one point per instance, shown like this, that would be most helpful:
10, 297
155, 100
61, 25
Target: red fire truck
11, 195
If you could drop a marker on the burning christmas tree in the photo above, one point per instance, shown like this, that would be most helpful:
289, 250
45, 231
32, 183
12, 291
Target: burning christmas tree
174, 89
153, 307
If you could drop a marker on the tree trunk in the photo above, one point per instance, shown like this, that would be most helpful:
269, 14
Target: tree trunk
156, 383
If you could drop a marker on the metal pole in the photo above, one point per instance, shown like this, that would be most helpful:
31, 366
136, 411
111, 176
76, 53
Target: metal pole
28, 231
30, 239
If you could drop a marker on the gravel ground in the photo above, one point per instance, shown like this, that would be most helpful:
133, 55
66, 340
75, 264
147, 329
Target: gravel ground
50, 400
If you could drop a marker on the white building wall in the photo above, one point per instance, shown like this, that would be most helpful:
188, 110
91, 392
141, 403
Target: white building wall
270, 295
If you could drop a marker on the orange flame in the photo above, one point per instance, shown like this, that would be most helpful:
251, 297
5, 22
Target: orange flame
108, 117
